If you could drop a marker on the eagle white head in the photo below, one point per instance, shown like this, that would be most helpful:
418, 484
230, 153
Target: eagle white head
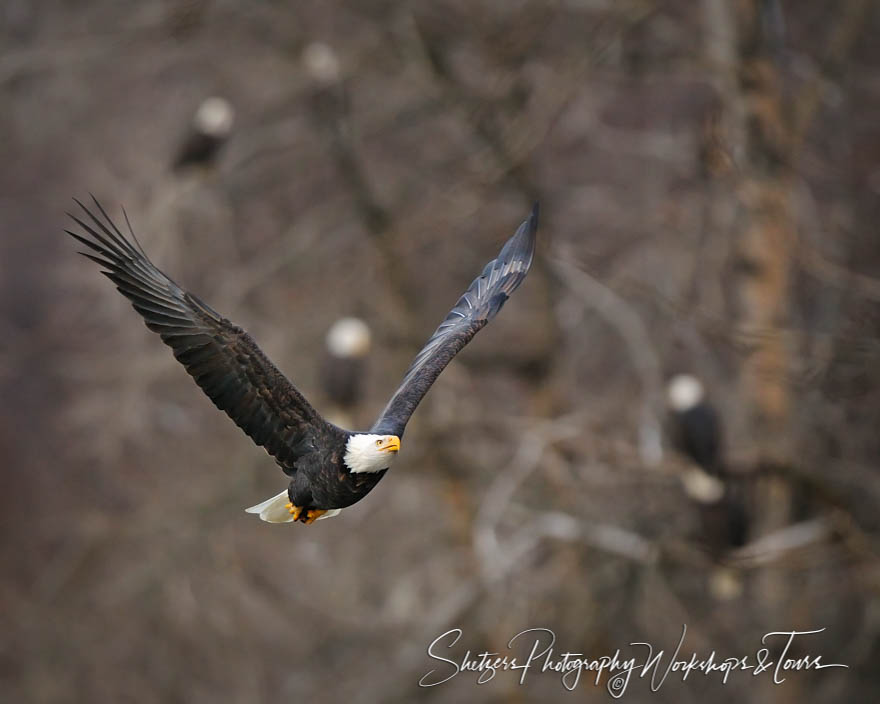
349, 337
684, 392
367, 452
215, 117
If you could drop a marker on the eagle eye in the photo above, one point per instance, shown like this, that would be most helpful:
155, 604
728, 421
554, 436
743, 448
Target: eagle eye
378, 442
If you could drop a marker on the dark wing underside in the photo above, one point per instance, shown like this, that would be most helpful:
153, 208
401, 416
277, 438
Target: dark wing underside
479, 304
223, 359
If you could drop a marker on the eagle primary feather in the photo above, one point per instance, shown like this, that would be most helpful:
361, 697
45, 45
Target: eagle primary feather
476, 307
222, 358
235, 374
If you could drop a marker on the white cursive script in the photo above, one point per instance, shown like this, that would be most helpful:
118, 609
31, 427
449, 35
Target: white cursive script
534, 650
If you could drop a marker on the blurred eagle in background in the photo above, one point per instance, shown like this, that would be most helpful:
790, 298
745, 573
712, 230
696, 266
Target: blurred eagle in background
329, 467
698, 434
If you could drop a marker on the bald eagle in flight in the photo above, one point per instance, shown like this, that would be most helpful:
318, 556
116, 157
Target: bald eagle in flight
329, 467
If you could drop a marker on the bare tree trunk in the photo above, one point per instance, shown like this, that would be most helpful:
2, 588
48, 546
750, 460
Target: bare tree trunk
763, 255
764, 247
746, 150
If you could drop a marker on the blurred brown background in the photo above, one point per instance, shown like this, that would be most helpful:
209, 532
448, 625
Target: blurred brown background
709, 175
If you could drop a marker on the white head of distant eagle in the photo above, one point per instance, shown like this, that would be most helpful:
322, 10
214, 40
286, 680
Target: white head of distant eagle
684, 392
367, 452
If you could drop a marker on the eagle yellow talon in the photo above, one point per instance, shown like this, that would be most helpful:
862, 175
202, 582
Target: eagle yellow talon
306, 517
313, 515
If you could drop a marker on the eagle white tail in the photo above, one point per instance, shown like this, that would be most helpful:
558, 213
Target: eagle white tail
274, 510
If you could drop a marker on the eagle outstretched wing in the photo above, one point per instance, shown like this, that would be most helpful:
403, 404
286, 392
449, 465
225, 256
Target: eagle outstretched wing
477, 306
222, 358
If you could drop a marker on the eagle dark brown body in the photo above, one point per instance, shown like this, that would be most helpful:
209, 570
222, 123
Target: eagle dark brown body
320, 479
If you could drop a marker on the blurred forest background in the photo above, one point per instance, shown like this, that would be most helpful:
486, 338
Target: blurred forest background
709, 176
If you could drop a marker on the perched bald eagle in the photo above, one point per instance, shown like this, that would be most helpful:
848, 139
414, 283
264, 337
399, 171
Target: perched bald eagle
208, 132
698, 434
329, 467
345, 357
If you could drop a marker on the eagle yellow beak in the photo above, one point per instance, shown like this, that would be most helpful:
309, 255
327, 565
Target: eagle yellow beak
392, 444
